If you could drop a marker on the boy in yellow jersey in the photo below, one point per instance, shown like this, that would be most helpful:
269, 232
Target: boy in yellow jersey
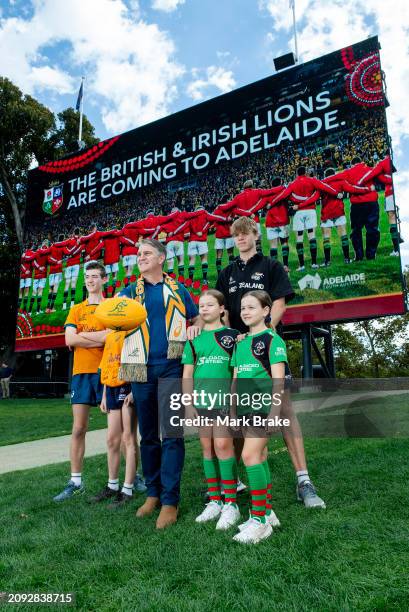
121, 424
86, 337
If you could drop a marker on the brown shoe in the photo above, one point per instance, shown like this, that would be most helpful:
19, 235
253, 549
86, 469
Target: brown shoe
148, 508
167, 516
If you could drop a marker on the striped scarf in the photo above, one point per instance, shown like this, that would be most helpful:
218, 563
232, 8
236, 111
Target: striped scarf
135, 351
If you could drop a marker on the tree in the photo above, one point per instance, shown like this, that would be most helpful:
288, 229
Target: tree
65, 139
29, 133
25, 129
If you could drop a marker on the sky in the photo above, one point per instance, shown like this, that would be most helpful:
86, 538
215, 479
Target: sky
145, 59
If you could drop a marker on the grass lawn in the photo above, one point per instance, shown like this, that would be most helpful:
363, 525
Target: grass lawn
353, 556
27, 419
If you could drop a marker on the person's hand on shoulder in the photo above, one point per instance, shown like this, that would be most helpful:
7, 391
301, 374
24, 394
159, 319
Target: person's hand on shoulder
193, 331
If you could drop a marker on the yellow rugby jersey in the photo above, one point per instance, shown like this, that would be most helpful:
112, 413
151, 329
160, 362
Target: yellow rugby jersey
111, 359
81, 316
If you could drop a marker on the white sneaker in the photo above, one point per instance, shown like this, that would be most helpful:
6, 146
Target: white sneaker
230, 515
394, 254
314, 266
272, 519
254, 532
212, 511
300, 268
240, 486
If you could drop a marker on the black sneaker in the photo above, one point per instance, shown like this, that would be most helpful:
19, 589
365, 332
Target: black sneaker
106, 493
120, 500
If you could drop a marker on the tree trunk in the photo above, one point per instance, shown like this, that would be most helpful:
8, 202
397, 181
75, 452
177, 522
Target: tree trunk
372, 345
14, 206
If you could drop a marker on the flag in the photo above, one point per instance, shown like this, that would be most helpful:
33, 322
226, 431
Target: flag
80, 94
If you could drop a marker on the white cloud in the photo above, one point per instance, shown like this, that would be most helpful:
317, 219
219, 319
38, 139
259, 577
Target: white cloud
45, 77
212, 77
166, 5
128, 63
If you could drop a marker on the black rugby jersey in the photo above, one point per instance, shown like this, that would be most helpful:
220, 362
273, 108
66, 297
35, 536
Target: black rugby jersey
259, 272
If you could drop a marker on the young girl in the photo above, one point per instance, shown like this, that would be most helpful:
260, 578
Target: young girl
207, 359
259, 357
117, 404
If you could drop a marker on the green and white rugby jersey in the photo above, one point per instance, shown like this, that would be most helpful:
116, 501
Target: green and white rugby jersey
210, 353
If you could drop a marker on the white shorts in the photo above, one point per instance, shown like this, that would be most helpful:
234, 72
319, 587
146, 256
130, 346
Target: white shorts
38, 283
128, 260
111, 268
281, 231
334, 222
25, 282
72, 271
55, 278
174, 248
304, 220
389, 204
224, 243
197, 247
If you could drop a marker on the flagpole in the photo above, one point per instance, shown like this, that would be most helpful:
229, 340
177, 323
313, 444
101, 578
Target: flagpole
292, 6
81, 110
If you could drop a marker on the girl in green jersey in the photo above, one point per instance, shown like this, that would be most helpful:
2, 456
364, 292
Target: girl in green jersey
260, 355
207, 360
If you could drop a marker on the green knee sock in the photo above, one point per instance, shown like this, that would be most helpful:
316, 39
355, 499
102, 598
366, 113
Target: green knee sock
211, 470
269, 496
258, 491
228, 473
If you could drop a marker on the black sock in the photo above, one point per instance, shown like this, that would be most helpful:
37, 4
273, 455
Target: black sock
205, 267
345, 246
285, 252
218, 265
191, 272
327, 250
273, 253
300, 252
231, 258
395, 236
313, 250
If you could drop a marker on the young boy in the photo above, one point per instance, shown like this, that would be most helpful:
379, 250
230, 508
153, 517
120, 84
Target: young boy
121, 424
86, 336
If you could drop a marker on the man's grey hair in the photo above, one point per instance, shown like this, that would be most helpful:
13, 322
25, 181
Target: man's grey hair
158, 246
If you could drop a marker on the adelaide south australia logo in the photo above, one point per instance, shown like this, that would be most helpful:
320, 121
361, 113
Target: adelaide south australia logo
53, 197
